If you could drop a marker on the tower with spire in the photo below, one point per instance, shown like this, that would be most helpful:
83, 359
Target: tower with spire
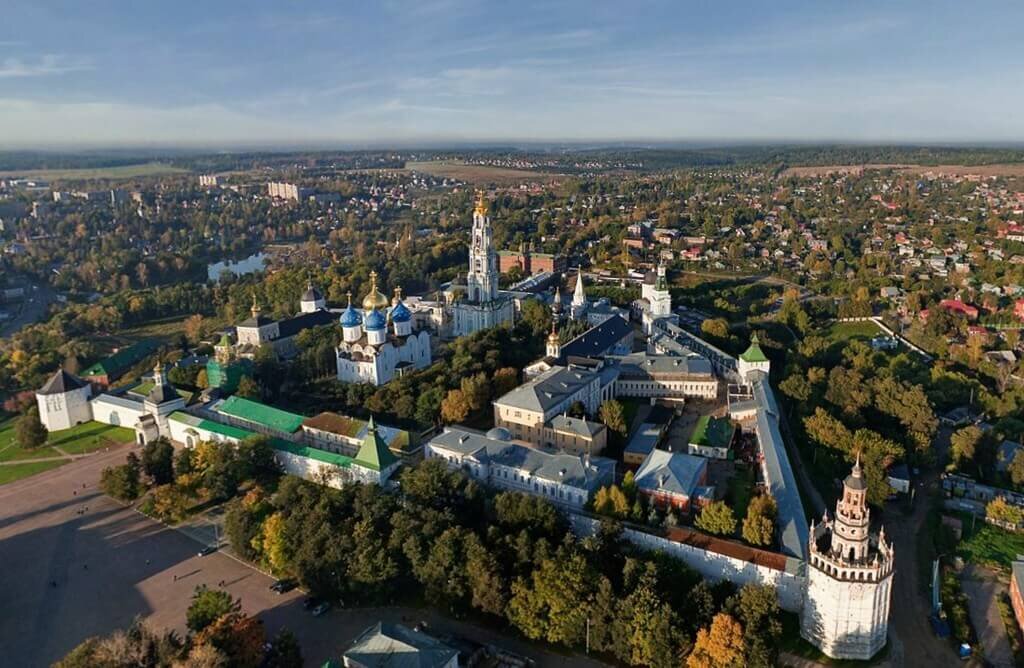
849, 578
578, 308
482, 277
483, 306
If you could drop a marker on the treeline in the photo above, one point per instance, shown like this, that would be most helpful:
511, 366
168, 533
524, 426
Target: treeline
851, 400
508, 557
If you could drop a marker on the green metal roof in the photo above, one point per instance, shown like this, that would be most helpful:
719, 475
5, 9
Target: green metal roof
254, 411
713, 432
312, 453
211, 426
373, 453
123, 359
754, 352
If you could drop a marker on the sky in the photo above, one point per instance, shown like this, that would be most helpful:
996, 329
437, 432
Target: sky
222, 74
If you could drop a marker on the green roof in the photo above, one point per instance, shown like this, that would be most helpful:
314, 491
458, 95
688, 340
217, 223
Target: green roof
123, 359
312, 453
713, 432
373, 453
254, 411
754, 352
211, 426
275, 443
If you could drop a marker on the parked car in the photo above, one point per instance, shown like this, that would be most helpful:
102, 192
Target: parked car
284, 585
321, 609
310, 602
209, 549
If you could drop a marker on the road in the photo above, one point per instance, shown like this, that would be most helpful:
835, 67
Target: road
77, 564
38, 298
983, 588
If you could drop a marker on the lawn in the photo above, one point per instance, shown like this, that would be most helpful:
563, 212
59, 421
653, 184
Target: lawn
90, 436
19, 471
845, 331
78, 440
10, 450
740, 488
990, 545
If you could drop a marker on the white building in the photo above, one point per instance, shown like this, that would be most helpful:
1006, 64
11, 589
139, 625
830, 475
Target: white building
312, 300
482, 307
64, 401
562, 478
259, 330
751, 360
655, 301
849, 579
380, 344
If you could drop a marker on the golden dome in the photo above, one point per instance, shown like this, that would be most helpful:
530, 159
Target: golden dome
553, 336
375, 299
481, 205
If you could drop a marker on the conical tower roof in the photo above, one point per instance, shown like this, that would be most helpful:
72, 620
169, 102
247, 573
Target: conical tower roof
374, 453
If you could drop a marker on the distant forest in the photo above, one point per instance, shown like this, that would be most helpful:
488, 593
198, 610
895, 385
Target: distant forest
560, 159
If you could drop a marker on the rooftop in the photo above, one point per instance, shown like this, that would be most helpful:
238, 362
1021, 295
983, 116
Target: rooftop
713, 432
396, 646
123, 359
671, 472
61, 381
254, 411
548, 390
597, 340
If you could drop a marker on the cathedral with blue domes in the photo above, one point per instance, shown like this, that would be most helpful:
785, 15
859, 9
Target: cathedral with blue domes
379, 342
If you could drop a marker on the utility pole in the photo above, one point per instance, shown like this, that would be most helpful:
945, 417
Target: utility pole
588, 636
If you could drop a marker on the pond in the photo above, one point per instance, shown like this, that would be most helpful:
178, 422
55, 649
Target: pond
248, 265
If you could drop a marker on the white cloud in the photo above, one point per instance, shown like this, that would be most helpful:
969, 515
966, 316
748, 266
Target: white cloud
46, 65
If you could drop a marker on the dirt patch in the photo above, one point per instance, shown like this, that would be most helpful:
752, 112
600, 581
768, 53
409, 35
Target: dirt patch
480, 173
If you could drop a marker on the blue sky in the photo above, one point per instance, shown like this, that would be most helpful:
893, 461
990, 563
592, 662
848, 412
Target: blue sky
226, 73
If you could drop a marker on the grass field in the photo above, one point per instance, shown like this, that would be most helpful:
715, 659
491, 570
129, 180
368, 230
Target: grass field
19, 471
78, 440
991, 546
478, 173
122, 172
844, 331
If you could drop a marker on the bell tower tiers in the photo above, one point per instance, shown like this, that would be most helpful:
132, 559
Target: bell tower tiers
849, 579
482, 278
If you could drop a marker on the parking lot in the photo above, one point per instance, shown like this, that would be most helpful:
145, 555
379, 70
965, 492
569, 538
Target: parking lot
76, 564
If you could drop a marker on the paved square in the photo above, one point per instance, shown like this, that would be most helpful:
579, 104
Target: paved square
74, 563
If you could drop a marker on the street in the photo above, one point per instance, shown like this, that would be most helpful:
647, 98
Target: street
77, 564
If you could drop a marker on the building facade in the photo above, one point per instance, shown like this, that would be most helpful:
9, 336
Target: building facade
849, 579
64, 401
564, 479
482, 306
380, 343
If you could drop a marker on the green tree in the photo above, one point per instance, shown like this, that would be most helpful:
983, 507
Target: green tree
275, 545
1016, 468
613, 415
611, 501
717, 518
209, 605
285, 651
29, 430
122, 482
796, 387
716, 327
998, 509
963, 444
759, 525
157, 461
248, 388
